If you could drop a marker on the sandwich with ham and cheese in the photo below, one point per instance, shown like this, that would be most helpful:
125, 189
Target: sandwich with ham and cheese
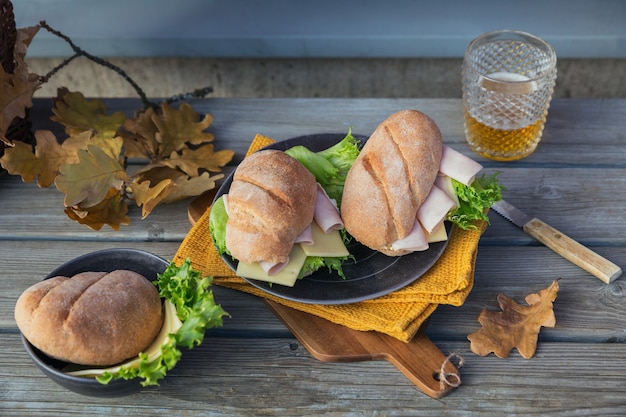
405, 183
277, 220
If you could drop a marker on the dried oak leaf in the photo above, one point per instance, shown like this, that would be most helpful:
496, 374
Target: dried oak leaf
177, 128
169, 185
78, 115
47, 158
140, 136
516, 326
149, 197
24, 38
191, 161
20, 160
111, 211
185, 187
88, 182
17, 88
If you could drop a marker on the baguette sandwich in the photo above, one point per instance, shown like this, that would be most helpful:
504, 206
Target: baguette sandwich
276, 220
405, 183
270, 203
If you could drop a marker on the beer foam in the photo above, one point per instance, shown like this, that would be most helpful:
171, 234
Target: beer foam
508, 83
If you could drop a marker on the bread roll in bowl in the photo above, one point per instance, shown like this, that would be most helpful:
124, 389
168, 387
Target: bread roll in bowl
390, 180
92, 318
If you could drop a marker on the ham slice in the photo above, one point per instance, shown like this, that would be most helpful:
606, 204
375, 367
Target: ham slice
326, 214
458, 166
434, 210
415, 241
271, 268
445, 183
306, 237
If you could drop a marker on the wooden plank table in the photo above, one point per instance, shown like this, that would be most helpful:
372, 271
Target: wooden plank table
254, 366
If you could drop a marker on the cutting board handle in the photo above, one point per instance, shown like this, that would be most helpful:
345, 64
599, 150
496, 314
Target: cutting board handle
419, 360
422, 363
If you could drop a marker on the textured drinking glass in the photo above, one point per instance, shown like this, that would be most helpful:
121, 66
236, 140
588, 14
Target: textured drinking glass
508, 80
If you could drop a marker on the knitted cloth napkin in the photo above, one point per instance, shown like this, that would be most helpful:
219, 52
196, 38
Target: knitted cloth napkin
398, 314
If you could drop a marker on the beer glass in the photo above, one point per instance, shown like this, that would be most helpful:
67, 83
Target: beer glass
508, 81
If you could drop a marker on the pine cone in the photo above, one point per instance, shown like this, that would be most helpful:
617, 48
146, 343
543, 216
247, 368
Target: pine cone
8, 36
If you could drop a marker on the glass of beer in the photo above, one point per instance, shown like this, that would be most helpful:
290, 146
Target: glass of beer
508, 81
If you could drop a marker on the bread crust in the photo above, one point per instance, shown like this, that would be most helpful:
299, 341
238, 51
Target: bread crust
390, 180
270, 202
92, 318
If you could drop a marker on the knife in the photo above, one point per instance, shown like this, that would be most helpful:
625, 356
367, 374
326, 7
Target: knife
565, 246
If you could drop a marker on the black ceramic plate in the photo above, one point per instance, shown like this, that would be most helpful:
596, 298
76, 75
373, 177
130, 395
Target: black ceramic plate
107, 260
372, 275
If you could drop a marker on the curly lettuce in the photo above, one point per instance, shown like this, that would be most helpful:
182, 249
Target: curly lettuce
474, 200
329, 166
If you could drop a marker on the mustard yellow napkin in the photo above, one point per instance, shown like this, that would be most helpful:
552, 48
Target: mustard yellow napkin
399, 314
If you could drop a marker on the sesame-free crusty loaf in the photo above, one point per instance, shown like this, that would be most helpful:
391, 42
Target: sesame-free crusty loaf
270, 202
92, 318
390, 180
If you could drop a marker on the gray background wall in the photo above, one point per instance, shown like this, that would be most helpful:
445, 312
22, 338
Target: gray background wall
392, 48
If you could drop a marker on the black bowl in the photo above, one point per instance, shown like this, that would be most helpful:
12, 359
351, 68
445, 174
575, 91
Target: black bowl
107, 260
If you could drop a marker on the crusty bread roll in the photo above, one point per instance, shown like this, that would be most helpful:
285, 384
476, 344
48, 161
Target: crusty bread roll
270, 202
390, 180
93, 318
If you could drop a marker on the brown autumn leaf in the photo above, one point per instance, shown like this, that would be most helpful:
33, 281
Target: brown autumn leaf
516, 326
78, 114
155, 173
111, 210
24, 38
191, 161
53, 155
20, 160
184, 187
140, 136
177, 128
148, 197
112, 146
87, 183
171, 185
17, 88
46, 159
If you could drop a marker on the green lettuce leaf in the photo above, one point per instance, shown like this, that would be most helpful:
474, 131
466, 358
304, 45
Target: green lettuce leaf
217, 225
329, 166
474, 200
314, 263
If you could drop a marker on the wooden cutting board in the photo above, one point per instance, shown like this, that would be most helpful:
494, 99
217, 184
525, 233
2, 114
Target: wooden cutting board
419, 360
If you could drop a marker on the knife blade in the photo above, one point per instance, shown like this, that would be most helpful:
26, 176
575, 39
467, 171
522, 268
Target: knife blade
559, 242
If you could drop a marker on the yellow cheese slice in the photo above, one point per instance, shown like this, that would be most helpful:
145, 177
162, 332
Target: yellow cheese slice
288, 276
171, 324
326, 244
438, 235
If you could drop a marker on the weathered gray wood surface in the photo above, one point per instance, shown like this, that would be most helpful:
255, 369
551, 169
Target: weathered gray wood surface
254, 366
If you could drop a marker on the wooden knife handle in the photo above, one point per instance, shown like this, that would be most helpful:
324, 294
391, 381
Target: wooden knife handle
573, 251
